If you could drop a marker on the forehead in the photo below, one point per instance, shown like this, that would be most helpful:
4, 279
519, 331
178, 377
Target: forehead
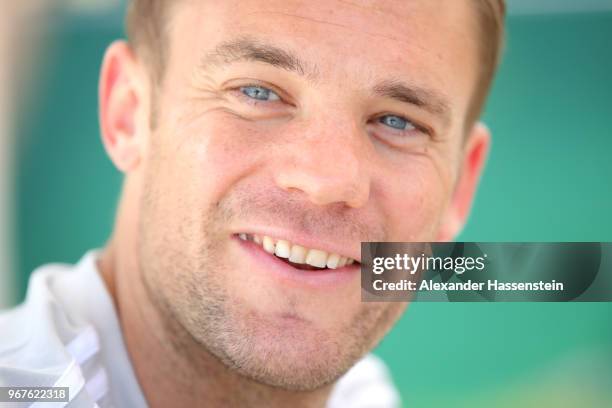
432, 43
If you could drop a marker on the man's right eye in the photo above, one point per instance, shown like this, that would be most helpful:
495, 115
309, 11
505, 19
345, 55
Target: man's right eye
260, 93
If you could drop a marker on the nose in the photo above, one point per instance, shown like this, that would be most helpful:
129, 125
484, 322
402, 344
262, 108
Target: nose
328, 164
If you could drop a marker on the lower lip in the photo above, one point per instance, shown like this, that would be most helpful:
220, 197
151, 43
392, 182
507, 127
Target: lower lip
316, 279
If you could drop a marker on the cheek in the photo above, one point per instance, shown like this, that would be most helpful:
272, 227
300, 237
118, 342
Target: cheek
416, 201
215, 152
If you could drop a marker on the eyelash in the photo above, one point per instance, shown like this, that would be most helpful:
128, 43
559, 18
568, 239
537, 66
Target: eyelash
416, 126
281, 99
241, 95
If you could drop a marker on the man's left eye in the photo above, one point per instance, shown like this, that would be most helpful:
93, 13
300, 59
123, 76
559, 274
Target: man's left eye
396, 122
260, 93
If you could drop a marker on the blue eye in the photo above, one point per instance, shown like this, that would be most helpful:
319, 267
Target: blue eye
396, 122
259, 93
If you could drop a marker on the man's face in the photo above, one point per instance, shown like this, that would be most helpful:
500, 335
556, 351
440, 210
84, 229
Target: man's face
322, 123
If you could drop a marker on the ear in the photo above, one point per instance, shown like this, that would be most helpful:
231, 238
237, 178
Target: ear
121, 97
475, 152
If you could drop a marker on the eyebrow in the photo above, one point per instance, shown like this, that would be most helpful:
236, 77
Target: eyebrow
426, 99
250, 49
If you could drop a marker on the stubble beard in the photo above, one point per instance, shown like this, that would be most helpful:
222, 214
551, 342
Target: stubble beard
181, 272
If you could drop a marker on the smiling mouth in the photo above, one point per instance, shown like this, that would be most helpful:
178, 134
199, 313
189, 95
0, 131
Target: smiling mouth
298, 256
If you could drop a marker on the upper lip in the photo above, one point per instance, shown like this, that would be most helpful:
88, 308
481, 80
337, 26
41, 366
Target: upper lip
307, 241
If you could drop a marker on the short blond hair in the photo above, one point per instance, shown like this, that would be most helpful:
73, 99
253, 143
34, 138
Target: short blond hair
146, 30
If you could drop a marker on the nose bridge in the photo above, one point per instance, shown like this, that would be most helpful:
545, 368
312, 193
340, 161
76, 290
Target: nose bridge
328, 162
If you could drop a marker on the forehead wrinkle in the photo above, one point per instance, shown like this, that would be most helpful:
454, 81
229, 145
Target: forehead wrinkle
372, 8
329, 23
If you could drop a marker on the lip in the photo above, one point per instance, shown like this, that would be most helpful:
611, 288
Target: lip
315, 279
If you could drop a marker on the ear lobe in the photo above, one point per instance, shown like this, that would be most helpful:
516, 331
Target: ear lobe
119, 105
475, 154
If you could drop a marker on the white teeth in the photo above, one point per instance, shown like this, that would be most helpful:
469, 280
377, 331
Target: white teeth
332, 261
316, 258
283, 249
268, 245
297, 253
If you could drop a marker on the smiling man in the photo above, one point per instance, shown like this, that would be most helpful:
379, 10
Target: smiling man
261, 142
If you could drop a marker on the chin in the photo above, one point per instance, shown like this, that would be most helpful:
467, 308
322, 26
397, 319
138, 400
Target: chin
288, 353
298, 366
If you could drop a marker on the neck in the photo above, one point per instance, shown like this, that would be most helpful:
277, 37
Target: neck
173, 369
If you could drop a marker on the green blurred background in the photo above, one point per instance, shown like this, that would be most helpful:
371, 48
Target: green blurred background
549, 178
